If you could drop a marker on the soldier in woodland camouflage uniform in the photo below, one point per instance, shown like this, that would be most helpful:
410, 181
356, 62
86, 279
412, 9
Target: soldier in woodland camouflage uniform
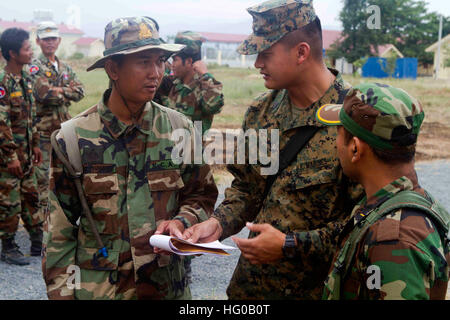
55, 87
19, 149
191, 90
308, 202
396, 246
131, 183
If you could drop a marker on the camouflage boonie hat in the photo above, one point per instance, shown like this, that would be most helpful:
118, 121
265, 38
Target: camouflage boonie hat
192, 40
131, 35
381, 115
273, 19
47, 29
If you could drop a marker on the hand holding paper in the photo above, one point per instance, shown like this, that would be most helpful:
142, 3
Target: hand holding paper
186, 248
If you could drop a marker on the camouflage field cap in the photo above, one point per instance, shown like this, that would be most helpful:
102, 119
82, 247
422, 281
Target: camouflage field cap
272, 20
381, 115
47, 29
192, 40
131, 35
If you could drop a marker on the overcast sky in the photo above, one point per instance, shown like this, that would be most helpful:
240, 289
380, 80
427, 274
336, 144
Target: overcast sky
227, 16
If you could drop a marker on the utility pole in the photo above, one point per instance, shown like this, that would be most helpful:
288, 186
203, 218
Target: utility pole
438, 58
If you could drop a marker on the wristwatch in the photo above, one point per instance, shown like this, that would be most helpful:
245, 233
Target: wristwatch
289, 246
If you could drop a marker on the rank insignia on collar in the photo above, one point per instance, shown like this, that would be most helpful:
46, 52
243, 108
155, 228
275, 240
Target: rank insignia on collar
2, 92
34, 69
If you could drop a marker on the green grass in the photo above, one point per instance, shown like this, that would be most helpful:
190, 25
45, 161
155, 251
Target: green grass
95, 83
241, 86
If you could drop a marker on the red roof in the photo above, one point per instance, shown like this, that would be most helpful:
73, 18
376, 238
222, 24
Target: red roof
85, 41
224, 37
63, 28
329, 37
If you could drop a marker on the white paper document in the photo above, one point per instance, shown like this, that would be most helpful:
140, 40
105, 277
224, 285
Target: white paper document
186, 248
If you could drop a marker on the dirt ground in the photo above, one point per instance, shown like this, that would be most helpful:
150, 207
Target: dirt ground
434, 142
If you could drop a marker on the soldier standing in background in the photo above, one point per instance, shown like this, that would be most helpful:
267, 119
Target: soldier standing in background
298, 213
55, 87
192, 90
129, 180
396, 245
19, 149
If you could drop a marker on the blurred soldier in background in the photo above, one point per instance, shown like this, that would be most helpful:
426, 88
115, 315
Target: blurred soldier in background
19, 149
191, 90
55, 87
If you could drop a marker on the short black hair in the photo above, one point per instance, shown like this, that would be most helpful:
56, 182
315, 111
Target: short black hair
395, 156
311, 34
12, 40
184, 54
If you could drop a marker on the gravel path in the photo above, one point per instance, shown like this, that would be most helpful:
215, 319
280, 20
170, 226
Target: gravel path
210, 274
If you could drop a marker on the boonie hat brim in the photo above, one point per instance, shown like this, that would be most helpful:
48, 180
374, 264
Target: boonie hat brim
169, 47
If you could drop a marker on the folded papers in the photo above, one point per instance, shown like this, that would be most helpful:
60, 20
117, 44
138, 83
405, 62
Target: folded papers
186, 248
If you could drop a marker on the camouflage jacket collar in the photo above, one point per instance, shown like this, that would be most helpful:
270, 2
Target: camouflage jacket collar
288, 119
179, 85
46, 61
368, 205
18, 78
117, 127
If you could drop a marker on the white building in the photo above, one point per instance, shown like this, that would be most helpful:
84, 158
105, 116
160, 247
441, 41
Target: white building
220, 48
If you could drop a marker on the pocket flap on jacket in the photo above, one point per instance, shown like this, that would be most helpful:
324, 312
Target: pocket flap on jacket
165, 180
100, 183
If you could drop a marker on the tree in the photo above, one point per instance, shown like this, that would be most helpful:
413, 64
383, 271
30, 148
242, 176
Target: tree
405, 23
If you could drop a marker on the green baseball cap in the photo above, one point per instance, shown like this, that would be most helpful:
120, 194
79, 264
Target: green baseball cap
130, 35
47, 29
381, 115
192, 40
273, 19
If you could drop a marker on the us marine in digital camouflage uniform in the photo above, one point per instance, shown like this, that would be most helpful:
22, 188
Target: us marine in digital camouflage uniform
396, 246
295, 227
129, 178
192, 90
19, 149
55, 87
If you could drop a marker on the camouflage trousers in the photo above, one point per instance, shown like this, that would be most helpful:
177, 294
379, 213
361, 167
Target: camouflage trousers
43, 171
19, 199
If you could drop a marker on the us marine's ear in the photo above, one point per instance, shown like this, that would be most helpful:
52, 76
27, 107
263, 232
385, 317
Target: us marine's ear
303, 51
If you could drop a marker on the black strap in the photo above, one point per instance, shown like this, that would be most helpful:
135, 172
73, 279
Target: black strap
290, 152
294, 146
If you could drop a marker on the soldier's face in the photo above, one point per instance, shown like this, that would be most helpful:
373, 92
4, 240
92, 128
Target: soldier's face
25, 53
140, 75
49, 45
276, 64
179, 68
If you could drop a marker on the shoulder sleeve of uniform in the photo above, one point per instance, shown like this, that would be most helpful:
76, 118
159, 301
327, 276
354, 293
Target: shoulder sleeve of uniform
259, 105
4, 94
176, 118
406, 224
